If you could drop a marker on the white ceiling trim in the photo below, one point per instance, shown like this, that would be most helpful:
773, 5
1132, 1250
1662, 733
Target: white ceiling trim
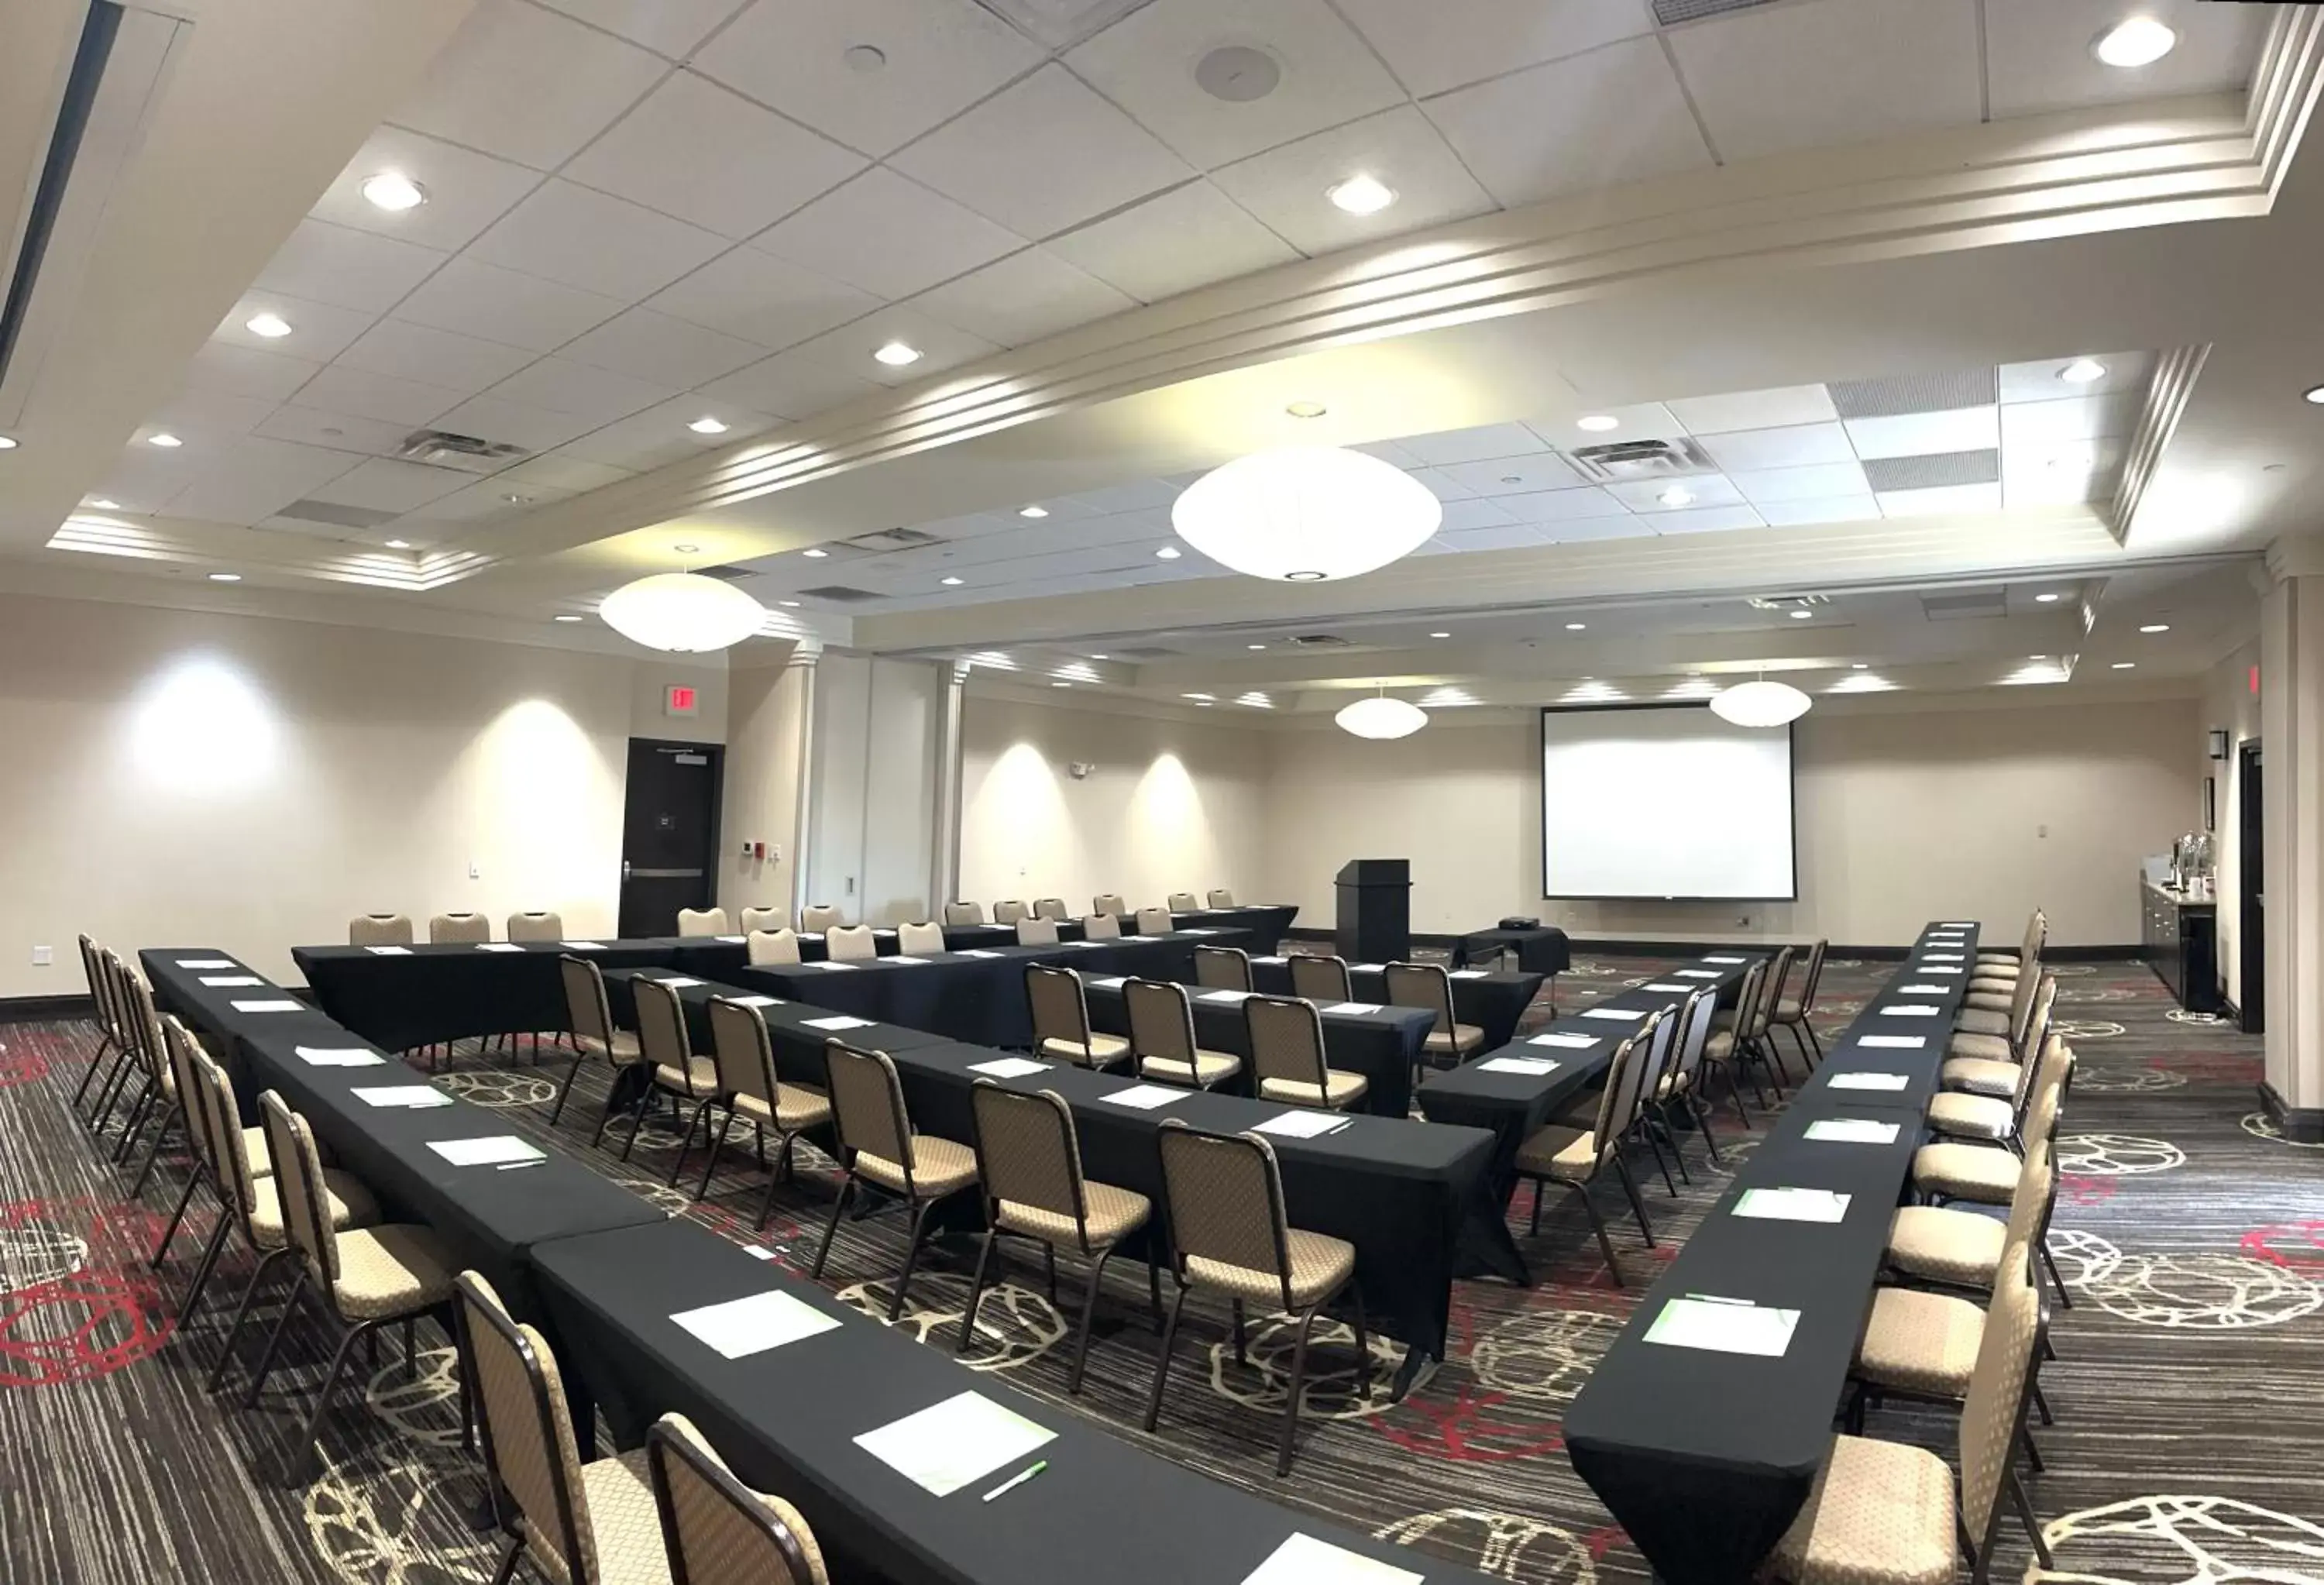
2167, 395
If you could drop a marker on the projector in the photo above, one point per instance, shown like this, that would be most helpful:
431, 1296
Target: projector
1517, 924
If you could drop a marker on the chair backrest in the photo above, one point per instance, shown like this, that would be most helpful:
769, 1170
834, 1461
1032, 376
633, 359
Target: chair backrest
763, 919
538, 925
1222, 968
702, 921
741, 1049
919, 935
1613, 1097
850, 943
1180, 902
1221, 897
1626, 1091
94, 978
2035, 1035
866, 1105
774, 946
1155, 922
818, 917
964, 913
458, 927
1286, 1041
143, 1026
2030, 986
1060, 1008
1036, 931
226, 1152
662, 1040
1052, 907
1694, 1028
1008, 912
2029, 1204
1108, 902
1747, 994
588, 1014
1423, 985
298, 1180
2037, 936
1662, 1051
380, 930
1813, 977
527, 1433
1027, 1152
1320, 979
1161, 1020
177, 1055
2049, 1079
1770, 990
1224, 1194
1102, 927
717, 1530
1995, 1409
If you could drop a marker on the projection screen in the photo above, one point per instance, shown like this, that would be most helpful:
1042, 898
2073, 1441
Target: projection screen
1665, 801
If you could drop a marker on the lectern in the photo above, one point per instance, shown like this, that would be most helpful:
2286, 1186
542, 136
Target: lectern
1375, 922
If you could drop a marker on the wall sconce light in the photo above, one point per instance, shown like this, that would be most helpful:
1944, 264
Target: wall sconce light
2218, 743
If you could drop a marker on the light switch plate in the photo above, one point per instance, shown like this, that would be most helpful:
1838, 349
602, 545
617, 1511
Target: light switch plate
41, 957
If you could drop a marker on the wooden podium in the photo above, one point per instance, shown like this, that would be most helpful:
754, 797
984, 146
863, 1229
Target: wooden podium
1374, 915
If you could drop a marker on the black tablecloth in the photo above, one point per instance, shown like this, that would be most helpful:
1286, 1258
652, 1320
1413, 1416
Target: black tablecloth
426, 994
1705, 1456
1493, 1002
1382, 1043
1542, 951
787, 1420
795, 1029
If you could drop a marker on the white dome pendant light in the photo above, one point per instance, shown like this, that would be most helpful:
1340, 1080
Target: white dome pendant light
683, 612
1306, 513
1381, 717
1760, 702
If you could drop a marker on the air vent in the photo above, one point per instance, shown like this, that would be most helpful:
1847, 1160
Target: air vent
1915, 393
840, 594
725, 575
1320, 641
331, 512
1622, 462
1934, 471
1982, 602
1671, 12
889, 539
441, 448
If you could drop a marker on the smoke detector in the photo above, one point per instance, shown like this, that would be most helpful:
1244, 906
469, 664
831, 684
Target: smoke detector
1238, 74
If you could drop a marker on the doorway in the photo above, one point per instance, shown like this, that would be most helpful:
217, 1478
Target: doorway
669, 834
2251, 924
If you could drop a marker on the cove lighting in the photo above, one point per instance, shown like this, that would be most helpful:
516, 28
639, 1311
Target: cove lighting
2134, 42
394, 191
1306, 513
1362, 194
1760, 704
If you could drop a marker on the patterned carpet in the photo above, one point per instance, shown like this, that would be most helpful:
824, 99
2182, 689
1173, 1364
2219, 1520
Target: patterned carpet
2189, 1401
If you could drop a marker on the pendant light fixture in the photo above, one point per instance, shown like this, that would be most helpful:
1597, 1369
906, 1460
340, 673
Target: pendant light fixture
1381, 717
1760, 702
683, 612
1306, 514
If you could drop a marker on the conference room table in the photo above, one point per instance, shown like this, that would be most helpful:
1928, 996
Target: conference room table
1493, 1002
1704, 1448
1540, 949
1265, 923
792, 1419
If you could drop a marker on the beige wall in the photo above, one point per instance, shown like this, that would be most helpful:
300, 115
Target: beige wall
182, 777
1170, 805
766, 713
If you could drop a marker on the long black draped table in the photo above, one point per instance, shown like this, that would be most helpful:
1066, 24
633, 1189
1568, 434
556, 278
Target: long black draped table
788, 1418
1492, 1001
1704, 1452
1541, 950
1263, 924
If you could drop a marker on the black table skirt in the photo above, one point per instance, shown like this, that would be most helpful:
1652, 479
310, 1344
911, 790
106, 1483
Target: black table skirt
785, 1420
1543, 951
433, 994
1493, 1002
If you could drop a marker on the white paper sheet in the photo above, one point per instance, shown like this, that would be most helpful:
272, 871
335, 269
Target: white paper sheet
1957, 925
583, 945
1143, 1097
1302, 1560
499, 947
1927, 971
1008, 1067
740, 1328
225, 979
1822, 1205
1894, 1042
389, 951
1694, 973
680, 983
1570, 1042
1868, 1081
1353, 1007
1303, 1125
731, 940
1920, 1009
1199, 929
1224, 996
271, 1005
1941, 957
339, 1057
1367, 968
1517, 1064
1617, 1014
1722, 960
416, 1096
945, 1446
208, 964
840, 1021
756, 1000
1467, 974
488, 1152
1920, 989
828, 963
902, 958
976, 952
1665, 986
1726, 1325
1853, 1130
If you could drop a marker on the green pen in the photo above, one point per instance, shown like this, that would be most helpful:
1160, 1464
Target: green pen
1018, 1480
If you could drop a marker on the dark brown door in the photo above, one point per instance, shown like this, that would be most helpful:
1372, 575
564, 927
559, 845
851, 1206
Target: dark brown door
2251, 938
669, 834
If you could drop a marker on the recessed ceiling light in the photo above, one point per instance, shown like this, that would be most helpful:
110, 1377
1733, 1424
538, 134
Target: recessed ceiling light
8, 443
1254, 646
896, 353
2134, 41
706, 425
2082, 371
1802, 615
688, 549
1575, 627
1675, 496
1439, 635
394, 191
165, 440
273, 327
1032, 512
951, 582
2124, 664
2314, 393
2050, 599
1598, 423
1362, 194
565, 617
398, 544
101, 503
815, 551
1306, 409
225, 577
2156, 627
1167, 553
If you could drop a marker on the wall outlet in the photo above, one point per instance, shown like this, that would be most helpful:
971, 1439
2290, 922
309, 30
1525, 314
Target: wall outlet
1743, 921
41, 957
476, 871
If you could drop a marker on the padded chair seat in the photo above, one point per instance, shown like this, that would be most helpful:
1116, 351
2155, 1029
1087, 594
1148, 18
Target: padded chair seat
254, 1151
1463, 1039
795, 1107
1971, 1117
623, 1521
1338, 1090
1673, 1084
1921, 1342
1319, 1264
1210, 1067
351, 1203
1976, 1046
704, 1077
1720, 1047
1880, 1513
1983, 1020
624, 1049
1938, 1245
1103, 1049
1978, 1076
1989, 1001
1567, 1155
384, 1272
1113, 1215
2007, 956
939, 1166
1787, 1009
1984, 1174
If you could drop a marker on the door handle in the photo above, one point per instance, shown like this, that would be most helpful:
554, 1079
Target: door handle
625, 868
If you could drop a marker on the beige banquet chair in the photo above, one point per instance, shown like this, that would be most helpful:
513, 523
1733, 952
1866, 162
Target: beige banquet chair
763, 919
1792, 1012
538, 925
850, 944
380, 930
1572, 1158
1008, 911
1061, 1024
455, 929
1108, 902
1155, 922
1427, 985
1102, 927
675, 1071
1162, 1037
919, 937
702, 922
775, 947
1051, 907
1221, 897
1287, 1058
1222, 968
1181, 902
1988, 1174
819, 917
964, 913
1035, 930
718, 1531
750, 1088
589, 1024
877, 1145
1321, 978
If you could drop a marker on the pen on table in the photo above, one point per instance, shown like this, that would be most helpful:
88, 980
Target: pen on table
512, 1165
1018, 1480
1339, 1128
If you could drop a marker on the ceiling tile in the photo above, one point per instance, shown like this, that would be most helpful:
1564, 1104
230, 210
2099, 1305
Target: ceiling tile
1808, 483
1041, 155
562, 472
1828, 509
792, 384
564, 386
1702, 520
1146, 63
1504, 537
2068, 418
941, 56
514, 423
319, 332
1022, 298
2038, 52
380, 397
1138, 496
1173, 241
1445, 43
1476, 512
2061, 476
669, 352
467, 191
887, 235
762, 299
347, 268
528, 84
480, 505
1825, 73
1794, 445
1701, 490
1441, 486
941, 346
596, 242
144, 479
339, 431
1968, 429
2039, 382
660, 434
666, 27
1286, 186
1615, 114
1945, 498
255, 478
709, 156
384, 484
239, 370
206, 420
1458, 445
1514, 476
1558, 506
435, 357
1646, 421
1389, 452
482, 300
1781, 408
1583, 531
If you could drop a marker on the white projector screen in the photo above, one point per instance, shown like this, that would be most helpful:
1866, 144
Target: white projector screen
1665, 801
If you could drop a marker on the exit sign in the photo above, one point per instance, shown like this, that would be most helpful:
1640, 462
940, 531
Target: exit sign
677, 699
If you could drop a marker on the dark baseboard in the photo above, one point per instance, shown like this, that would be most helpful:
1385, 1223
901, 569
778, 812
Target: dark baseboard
2301, 1125
43, 1009
1665, 947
